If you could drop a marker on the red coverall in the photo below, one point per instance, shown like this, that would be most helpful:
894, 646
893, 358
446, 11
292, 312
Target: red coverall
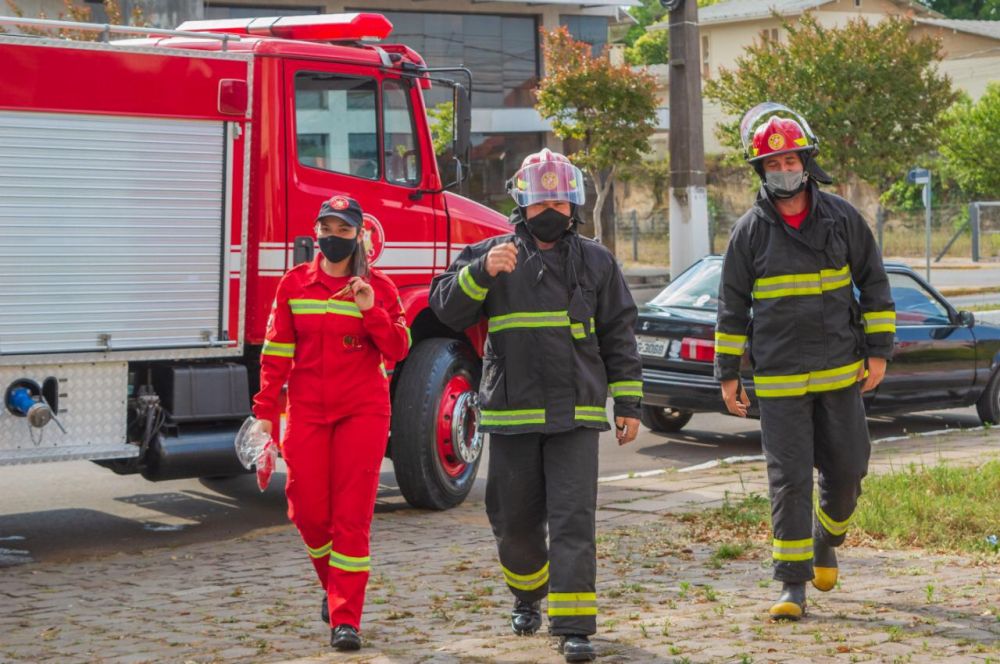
332, 354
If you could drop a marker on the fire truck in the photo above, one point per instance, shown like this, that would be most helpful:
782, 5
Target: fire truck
154, 189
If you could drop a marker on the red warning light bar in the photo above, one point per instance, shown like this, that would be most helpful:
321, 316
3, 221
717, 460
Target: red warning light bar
314, 27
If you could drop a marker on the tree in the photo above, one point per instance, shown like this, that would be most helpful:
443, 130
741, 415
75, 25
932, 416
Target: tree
610, 109
971, 144
871, 93
985, 10
645, 47
441, 120
81, 14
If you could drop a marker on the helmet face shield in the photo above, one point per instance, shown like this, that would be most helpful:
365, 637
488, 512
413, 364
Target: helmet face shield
547, 181
782, 133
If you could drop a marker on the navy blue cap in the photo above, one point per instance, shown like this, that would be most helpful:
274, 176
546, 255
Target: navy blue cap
342, 207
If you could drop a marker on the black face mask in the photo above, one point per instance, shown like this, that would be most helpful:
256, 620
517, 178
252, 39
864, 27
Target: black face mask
336, 249
548, 225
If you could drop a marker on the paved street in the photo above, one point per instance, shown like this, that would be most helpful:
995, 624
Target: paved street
436, 593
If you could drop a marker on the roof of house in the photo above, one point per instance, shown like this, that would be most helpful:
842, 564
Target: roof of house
734, 11
982, 28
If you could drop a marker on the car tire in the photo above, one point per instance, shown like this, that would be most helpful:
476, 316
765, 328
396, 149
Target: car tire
665, 420
438, 377
988, 405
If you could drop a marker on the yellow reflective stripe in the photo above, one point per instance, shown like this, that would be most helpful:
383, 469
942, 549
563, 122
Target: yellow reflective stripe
526, 581
626, 388
315, 307
572, 604
278, 349
835, 528
469, 286
349, 563
578, 331
812, 283
384, 372
730, 344
319, 552
796, 385
880, 321
512, 417
528, 319
409, 336
591, 413
792, 550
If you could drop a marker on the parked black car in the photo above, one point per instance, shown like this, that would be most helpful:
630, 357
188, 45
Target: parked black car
943, 358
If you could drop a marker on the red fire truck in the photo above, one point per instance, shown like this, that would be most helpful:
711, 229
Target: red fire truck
153, 190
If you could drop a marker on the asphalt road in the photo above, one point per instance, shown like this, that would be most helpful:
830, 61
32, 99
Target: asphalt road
71, 510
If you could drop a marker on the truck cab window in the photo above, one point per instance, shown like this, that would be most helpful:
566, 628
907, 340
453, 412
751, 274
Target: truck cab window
401, 155
336, 124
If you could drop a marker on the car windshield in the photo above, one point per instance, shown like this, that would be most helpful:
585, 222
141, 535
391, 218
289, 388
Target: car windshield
696, 288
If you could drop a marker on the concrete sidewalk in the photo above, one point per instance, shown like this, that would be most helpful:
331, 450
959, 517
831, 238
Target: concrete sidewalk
436, 594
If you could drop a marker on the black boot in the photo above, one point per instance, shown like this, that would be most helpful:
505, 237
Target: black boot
577, 648
345, 637
324, 612
526, 617
791, 604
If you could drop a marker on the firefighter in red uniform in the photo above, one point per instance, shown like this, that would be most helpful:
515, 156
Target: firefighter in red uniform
560, 338
333, 322
792, 260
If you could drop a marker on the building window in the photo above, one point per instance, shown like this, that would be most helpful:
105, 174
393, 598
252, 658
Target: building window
769, 34
219, 11
332, 135
590, 29
501, 51
706, 70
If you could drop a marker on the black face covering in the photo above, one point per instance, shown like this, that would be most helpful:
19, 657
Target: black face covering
336, 249
548, 225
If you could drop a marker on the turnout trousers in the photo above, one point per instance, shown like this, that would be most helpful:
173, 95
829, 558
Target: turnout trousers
333, 471
825, 430
547, 483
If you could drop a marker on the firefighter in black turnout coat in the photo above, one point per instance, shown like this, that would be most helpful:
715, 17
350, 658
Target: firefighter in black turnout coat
560, 337
794, 259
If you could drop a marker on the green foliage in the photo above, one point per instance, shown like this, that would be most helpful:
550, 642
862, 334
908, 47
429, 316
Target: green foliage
609, 109
645, 15
871, 92
651, 48
441, 120
971, 144
986, 10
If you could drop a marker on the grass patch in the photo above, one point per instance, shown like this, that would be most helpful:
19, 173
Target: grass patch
940, 507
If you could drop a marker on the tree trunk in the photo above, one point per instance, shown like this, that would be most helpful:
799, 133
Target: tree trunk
880, 225
602, 185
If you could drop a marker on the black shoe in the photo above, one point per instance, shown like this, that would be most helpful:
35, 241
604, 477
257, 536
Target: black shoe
526, 617
791, 604
345, 637
577, 648
324, 612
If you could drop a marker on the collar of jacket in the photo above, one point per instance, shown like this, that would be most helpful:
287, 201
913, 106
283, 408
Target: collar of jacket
815, 229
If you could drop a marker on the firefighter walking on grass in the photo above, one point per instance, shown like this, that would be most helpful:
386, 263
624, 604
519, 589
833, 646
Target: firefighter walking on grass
560, 336
815, 348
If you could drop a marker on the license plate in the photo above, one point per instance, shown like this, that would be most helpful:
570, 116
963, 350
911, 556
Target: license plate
652, 346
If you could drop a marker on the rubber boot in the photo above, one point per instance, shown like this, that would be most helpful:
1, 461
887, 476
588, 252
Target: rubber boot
345, 637
577, 648
526, 617
824, 565
791, 604
324, 612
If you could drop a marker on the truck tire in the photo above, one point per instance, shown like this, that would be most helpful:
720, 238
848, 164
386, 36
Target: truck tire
436, 445
988, 405
664, 420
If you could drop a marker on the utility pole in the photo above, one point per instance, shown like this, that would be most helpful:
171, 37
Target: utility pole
688, 195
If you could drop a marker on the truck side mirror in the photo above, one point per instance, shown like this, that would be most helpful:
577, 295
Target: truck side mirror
463, 128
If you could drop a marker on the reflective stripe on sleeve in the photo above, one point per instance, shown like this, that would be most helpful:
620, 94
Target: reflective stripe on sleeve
730, 344
278, 349
572, 604
469, 285
626, 388
880, 321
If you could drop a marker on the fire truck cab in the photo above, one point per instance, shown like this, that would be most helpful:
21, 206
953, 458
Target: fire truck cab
152, 193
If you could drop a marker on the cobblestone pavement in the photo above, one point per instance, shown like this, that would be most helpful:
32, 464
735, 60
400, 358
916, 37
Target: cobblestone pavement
436, 594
